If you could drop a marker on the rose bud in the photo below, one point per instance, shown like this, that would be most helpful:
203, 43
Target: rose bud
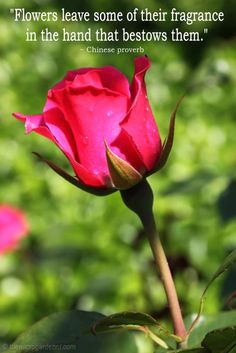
13, 227
103, 125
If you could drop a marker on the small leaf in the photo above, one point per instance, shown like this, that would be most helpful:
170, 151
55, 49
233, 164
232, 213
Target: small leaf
228, 262
168, 143
73, 180
125, 318
123, 175
70, 332
134, 321
221, 341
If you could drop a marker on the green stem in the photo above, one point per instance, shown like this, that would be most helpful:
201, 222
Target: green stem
140, 200
166, 277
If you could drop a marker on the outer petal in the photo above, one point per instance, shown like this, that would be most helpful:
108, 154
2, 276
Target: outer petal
88, 178
35, 123
52, 125
94, 116
61, 131
139, 122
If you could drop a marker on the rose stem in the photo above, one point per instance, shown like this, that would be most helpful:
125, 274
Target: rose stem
140, 200
166, 277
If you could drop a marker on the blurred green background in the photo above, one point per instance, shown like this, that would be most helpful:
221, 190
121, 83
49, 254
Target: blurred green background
88, 252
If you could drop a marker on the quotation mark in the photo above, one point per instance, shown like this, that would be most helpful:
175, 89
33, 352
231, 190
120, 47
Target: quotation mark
205, 31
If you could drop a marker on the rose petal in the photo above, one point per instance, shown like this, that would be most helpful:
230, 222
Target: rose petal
105, 77
125, 147
139, 122
91, 179
13, 227
94, 116
63, 136
34, 123
69, 77
61, 131
50, 125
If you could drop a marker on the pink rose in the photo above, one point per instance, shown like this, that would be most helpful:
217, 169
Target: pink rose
104, 126
13, 227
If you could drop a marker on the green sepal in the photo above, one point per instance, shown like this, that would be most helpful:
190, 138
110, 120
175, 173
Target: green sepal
74, 180
123, 175
168, 142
